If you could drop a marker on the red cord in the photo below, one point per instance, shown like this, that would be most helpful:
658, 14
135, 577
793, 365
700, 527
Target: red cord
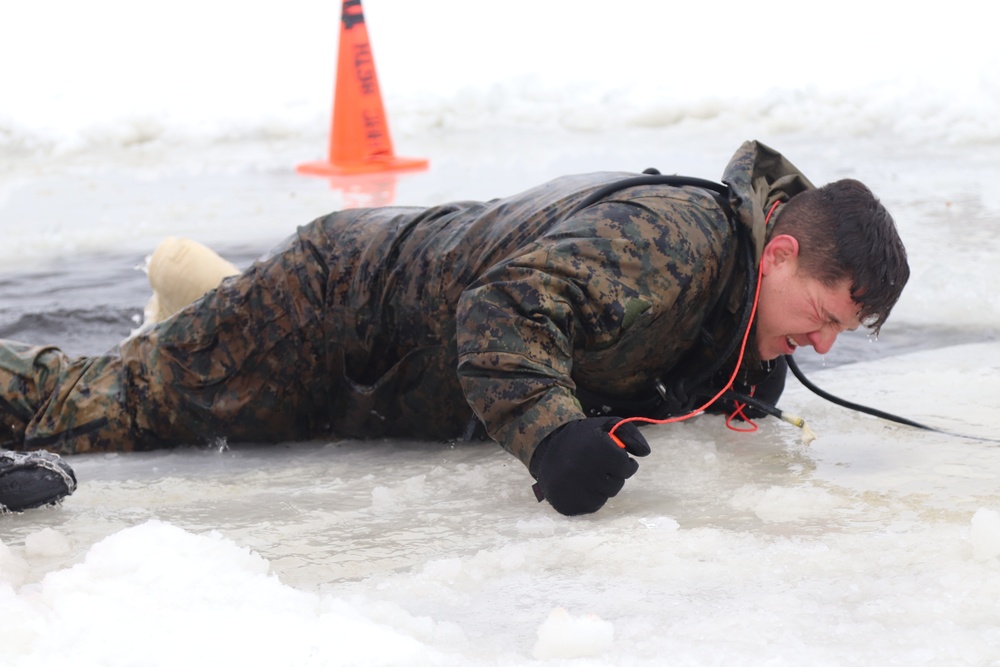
750, 427
732, 378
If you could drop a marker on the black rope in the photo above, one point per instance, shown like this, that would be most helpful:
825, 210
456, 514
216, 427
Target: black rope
763, 406
797, 372
678, 397
652, 177
648, 179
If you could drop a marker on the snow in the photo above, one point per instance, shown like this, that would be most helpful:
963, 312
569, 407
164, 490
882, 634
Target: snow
985, 535
561, 636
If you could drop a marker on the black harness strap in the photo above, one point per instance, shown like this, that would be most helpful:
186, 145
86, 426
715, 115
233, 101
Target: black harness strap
682, 392
680, 395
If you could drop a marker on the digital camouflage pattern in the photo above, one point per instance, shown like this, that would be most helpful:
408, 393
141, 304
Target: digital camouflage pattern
409, 321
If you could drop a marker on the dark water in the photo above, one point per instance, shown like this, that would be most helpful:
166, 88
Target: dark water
83, 304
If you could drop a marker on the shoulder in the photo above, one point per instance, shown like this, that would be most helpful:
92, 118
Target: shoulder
670, 221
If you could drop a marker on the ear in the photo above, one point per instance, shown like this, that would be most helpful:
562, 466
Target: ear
782, 251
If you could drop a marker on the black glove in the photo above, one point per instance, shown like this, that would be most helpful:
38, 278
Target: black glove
578, 466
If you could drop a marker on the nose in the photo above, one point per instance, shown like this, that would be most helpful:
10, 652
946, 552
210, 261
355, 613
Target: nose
823, 339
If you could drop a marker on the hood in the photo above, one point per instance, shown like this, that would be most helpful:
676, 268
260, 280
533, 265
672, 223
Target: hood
758, 176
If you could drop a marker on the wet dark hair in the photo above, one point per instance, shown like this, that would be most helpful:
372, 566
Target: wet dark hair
844, 232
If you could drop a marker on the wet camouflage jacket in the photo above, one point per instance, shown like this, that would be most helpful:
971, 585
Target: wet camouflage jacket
407, 322
610, 298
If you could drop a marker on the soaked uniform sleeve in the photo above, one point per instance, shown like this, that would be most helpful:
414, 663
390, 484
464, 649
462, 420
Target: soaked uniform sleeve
520, 325
515, 341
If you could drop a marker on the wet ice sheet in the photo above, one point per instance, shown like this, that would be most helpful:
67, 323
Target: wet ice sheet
876, 544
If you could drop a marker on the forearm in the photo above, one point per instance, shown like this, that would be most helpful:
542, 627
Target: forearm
519, 401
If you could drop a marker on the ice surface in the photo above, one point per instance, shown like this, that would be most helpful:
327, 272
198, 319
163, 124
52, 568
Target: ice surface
985, 535
563, 636
875, 545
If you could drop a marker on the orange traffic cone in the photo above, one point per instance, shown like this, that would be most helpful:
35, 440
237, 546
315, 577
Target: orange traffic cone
359, 133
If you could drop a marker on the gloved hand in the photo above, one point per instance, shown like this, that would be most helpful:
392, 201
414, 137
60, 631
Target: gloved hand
578, 466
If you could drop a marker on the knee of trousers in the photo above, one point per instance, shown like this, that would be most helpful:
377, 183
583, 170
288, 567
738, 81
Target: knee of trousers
28, 376
86, 411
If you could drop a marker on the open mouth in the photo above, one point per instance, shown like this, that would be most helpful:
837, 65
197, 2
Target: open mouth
791, 342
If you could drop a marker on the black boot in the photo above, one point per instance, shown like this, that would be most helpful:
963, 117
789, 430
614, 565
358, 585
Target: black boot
33, 479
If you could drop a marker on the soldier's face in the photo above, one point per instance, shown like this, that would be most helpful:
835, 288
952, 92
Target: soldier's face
795, 309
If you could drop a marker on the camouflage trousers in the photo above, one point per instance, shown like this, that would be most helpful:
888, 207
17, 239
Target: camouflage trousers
246, 361
48, 401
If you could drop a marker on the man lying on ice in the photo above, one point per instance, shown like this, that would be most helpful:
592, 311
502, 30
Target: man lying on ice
538, 320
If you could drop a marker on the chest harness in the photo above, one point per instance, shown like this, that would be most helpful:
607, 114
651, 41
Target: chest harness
685, 396
679, 399
682, 393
